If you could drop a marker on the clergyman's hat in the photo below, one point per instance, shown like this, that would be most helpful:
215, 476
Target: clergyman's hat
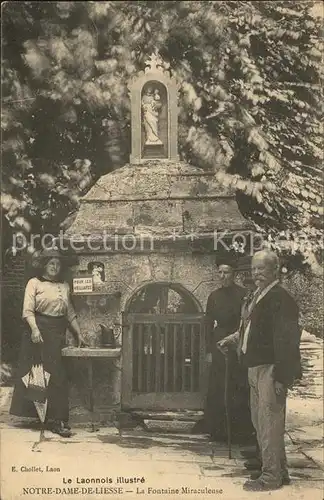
227, 258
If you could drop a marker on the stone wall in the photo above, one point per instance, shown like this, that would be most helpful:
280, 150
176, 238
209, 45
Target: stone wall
126, 273
12, 291
158, 198
159, 217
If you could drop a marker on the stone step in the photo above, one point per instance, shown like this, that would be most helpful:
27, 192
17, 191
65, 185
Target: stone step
173, 426
181, 415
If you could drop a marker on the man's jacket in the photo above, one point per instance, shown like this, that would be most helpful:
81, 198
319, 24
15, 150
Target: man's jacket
274, 336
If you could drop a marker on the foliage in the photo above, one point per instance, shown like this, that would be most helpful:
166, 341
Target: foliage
250, 101
308, 292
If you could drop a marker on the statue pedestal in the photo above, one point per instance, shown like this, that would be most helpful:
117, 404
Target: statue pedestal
153, 151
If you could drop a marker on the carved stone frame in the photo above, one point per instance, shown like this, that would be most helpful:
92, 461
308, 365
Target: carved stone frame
154, 71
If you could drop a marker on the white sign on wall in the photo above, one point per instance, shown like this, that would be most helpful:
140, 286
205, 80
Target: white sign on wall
83, 284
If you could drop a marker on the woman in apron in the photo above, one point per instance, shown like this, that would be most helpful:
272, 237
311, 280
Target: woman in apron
48, 312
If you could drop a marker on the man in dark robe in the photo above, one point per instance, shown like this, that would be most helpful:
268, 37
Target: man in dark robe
222, 318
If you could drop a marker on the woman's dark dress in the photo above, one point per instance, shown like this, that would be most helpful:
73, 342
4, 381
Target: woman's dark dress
52, 329
53, 332
224, 307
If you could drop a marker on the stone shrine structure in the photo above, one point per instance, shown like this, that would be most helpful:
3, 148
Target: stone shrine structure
146, 238
154, 116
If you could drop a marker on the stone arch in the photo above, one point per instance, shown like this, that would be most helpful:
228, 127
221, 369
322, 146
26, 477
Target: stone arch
148, 296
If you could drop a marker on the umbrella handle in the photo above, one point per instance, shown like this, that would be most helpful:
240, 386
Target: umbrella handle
38, 353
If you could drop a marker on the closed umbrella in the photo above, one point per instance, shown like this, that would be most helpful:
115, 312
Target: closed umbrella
36, 382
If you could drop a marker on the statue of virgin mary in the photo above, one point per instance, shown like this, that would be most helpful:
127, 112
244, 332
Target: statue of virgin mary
151, 106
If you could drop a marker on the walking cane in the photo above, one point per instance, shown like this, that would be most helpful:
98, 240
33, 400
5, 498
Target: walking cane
227, 406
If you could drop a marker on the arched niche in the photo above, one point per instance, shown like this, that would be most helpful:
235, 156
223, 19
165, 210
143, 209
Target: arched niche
162, 298
159, 94
165, 146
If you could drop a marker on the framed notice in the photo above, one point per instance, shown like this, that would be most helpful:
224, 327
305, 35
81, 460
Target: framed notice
82, 284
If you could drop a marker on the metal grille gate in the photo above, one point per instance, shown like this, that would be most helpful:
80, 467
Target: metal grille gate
163, 361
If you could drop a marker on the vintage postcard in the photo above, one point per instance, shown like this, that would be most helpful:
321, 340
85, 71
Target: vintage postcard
162, 249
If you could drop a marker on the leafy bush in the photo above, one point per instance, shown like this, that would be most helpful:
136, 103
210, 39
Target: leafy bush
308, 291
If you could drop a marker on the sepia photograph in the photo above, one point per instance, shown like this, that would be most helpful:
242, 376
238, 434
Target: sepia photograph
162, 250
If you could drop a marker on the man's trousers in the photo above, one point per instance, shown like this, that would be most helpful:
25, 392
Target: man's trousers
268, 413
